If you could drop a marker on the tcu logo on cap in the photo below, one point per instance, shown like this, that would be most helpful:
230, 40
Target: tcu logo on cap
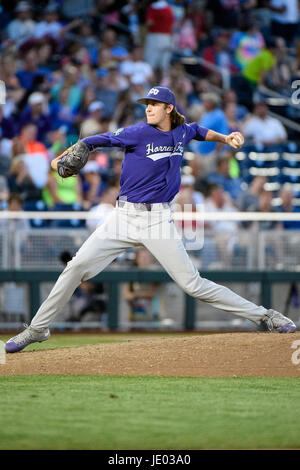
153, 91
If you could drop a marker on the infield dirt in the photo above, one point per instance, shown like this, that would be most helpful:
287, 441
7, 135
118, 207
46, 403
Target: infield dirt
260, 354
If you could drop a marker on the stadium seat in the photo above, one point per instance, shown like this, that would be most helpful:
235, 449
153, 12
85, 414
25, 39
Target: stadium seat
38, 206
68, 223
291, 159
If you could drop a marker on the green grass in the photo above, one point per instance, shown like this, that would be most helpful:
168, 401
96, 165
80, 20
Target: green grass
112, 412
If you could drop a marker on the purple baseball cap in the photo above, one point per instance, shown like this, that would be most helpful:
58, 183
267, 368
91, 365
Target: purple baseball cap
159, 93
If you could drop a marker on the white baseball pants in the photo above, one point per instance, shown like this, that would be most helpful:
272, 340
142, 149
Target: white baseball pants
127, 227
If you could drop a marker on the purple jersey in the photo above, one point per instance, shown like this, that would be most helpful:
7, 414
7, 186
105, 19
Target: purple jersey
151, 165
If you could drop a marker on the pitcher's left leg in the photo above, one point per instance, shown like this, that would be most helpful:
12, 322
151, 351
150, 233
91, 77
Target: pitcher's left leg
173, 257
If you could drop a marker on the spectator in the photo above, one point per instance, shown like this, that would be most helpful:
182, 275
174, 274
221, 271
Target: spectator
106, 205
158, 47
231, 111
265, 205
246, 43
60, 191
14, 204
217, 54
230, 97
256, 69
22, 28
263, 129
36, 159
287, 197
49, 26
37, 113
248, 200
213, 118
285, 19
19, 178
70, 79
7, 126
14, 91
233, 186
91, 184
115, 81
140, 296
62, 113
135, 66
29, 75
107, 96
218, 200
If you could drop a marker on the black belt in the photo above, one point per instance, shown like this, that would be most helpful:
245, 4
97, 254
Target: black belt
143, 206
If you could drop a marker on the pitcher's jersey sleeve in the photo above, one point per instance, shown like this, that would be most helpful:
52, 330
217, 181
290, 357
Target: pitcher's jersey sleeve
123, 137
194, 131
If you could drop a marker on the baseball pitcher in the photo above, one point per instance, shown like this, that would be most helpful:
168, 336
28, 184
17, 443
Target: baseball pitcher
149, 181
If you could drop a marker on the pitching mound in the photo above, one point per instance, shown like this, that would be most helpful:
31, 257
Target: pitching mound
215, 355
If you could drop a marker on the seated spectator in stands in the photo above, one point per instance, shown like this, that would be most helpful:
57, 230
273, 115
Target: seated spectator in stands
248, 200
246, 43
215, 119
230, 97
217, 54
91, 184
287, 205
107, 96
127, 106
109, 40
37, 156
91, 125
140, 296
285, 19
7, 126
265, 205
37, 113
62, 191
14, 204
230, 111
218, 200
62, 113
134, 65
263, 129
115, 81
69, 79
23, 26
14, 91
29, 75
221, 176
280, 76
19, 178
49, 25
106, 205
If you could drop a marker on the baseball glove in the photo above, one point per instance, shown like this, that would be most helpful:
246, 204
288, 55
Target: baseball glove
73, 159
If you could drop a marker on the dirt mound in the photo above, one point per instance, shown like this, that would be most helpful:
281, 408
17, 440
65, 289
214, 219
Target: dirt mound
215, 355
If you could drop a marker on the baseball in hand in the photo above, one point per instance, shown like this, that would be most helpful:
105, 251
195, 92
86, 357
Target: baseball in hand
235, 140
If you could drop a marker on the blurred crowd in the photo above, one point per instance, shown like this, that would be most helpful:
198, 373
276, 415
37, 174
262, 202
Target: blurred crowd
75, 68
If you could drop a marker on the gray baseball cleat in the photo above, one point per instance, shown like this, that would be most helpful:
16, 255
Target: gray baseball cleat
275, 321
28, 336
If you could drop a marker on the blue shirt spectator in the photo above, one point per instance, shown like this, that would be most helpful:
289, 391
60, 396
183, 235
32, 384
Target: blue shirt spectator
214, 119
